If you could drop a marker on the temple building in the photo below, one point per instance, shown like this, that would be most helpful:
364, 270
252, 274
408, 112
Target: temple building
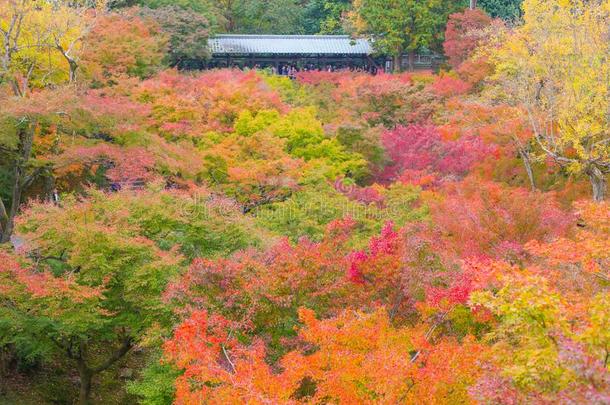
323, 52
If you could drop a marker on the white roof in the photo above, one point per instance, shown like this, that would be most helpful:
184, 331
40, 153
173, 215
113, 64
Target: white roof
289, 45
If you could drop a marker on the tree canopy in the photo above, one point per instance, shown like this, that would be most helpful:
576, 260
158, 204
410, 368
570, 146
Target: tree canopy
175, 235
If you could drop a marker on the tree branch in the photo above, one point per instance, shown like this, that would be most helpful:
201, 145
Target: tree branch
122, 351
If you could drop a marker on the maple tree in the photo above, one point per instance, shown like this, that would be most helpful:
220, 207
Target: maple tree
181, 104
421, 149
55, 134
305, 138
254, 170
308, 211
487, 218
111, 54
502, 126
550, 319
261, 291
358, 357
461, 36
348, 98
21, 122
95, 269
109, 296
550, 360
580, 256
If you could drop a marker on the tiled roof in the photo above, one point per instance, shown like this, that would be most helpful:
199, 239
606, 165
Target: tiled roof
289, 44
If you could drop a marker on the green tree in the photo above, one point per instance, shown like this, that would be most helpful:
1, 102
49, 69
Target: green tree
505, 9
188, 33
308, 212
306, 139
89, 285
199, 6
325, 16
400, 26
265, 17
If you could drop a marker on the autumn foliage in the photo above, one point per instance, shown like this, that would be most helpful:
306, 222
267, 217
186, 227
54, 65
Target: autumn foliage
463, 34
226, 236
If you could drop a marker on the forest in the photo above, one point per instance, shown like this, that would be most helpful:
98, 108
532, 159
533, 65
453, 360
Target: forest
180, 236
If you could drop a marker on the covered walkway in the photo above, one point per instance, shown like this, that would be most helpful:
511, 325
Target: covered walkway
288, 53
303, 52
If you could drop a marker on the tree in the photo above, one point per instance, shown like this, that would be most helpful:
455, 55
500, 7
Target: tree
355, 357
311, 209
40, 42
555, 67
259, 292
362, 100
325, 16
461, 37
543, 350
402, 26
196, 106
202, 7
484, 218
61, 135
22, 122
305, 138
20, 154
421, 149
188, 35
245, 16
69, 26
549, 318
90, 288
508, 10
123, 45
498, 124
268, 17
582, 256
91, 312
255, 170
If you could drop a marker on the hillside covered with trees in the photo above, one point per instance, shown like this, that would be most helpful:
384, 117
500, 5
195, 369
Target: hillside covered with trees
175, 236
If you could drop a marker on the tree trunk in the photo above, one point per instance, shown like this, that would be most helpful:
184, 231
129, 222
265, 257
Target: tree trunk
15, 88
9, 225
87, 372
411, 60
528, 167
49, 190
73, 68
397, 63
598, 183
86, 377
473, 4
3, 221
26, 138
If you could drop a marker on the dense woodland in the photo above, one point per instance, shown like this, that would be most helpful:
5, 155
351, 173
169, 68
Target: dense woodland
230, 237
